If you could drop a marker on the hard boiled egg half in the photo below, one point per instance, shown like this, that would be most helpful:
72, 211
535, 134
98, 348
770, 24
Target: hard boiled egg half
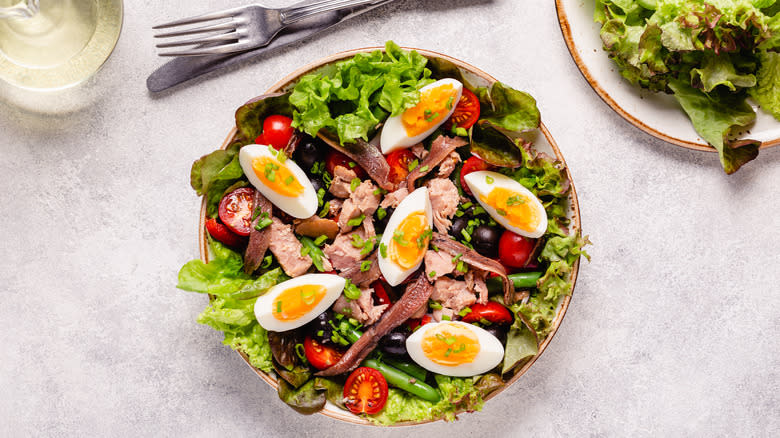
293, 303
279, 179
406, 237
437, 102
454, 348
508, 202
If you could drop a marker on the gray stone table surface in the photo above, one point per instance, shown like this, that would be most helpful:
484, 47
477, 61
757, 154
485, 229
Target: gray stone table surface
672, 329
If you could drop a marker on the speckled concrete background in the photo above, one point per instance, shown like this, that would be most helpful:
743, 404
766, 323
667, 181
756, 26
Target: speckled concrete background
672, 330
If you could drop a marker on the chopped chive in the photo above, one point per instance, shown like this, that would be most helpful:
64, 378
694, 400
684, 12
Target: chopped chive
352, 164
267, 260
446, 318
489, 179
325, 209
357, 241
351, 291
279, 306
383, 250
435, 248
320, 333
262, 223
464, 312
305, 250
434, 305
450, 101
354, 184
501, 211
354, 222
424, 168
462, 267
459, 213
466, 205
413, 165
381, 213
461, 132
465, 235
432, 274
318, 241
289, 180
365, 265
398, 237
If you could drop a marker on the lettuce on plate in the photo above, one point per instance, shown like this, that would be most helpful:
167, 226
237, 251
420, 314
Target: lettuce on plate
709, 54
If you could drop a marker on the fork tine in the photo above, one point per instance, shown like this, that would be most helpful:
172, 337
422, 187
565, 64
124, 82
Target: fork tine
210, 28
214, 50
198, 19
230, 36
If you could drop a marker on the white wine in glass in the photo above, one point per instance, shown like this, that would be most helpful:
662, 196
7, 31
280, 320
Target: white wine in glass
53, 44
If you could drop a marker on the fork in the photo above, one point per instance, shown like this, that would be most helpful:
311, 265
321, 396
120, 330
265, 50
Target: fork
243, 28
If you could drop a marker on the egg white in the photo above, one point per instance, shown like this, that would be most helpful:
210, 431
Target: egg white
300, 207
394, 134
265, 305
491, 352
477, 182
416, 201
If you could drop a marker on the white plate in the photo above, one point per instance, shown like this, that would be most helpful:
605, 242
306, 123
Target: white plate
658, 114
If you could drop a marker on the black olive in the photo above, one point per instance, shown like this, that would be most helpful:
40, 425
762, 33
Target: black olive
485, 240
393, 343
308, 152
381, 224
497, 331
321, 329
458, 224
317, 183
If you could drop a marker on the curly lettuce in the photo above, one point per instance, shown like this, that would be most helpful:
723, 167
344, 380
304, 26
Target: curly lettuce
353, 96
709, 54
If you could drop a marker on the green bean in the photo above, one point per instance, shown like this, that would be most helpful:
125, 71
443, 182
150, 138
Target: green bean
522, 280
410, 368
404, 381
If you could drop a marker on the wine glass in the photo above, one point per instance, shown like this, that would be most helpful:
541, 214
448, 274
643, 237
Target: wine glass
55, 44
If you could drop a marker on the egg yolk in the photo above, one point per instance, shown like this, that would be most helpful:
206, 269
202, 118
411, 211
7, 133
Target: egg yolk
516, 207
297, 301
434, 105
410, 240
450, 344
276, 176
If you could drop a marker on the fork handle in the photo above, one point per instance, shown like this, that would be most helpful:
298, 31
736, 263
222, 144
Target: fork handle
294, 14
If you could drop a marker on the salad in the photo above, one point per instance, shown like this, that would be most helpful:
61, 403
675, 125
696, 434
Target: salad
382, 236
710, 55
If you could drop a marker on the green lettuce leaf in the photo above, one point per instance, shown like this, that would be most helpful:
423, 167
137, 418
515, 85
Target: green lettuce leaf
714, 116
520, 345
719, 70
250, 116
561, 253
236, 319
507, 108
767, 92
494, 147
306, 399
353, 96
214, 174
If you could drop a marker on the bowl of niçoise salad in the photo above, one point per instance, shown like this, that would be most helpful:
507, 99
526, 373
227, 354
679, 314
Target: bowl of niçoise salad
388, 236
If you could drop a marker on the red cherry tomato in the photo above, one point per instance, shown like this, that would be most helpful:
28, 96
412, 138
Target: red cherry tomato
381, 294
492, 311
336, 158
260, 140
466, 113
365, 391
399, 161
277, 131
320, 356
223, 234
417, 322
514, 249
473, 164
235, 210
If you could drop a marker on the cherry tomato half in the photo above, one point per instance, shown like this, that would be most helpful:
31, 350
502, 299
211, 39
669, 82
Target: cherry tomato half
399, 161
320, 356
260, 140
365, 391
277, 131
472, 164
223, 234
381, 294
235, 210
492, 311
336, 158
466, 113
417, 322
514, 249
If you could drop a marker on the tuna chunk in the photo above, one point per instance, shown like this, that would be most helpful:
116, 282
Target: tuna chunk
342, 178
452, 294
475, 282
342, 253
448, 165
364, 200
360, 276
444, 201
287, 249
437, 264
393, 199
335, 207
419, 151
362, 309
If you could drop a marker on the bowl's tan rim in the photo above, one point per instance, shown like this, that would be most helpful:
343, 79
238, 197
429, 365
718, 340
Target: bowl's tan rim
567, 36
342, 415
